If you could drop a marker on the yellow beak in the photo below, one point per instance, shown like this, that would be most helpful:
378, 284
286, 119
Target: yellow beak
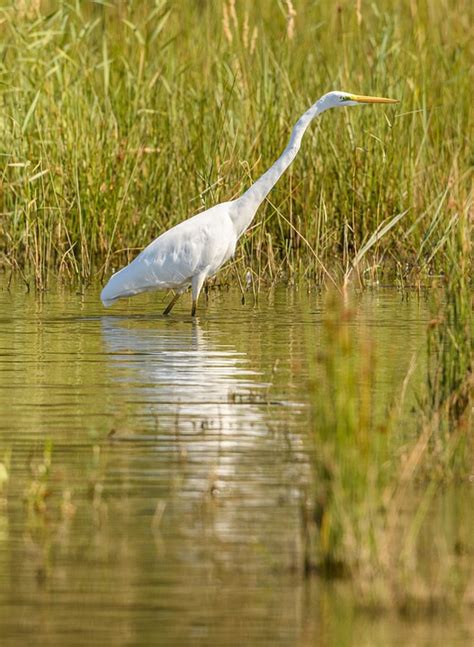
362, 99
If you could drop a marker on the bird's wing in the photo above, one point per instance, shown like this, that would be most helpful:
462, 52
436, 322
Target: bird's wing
189, 248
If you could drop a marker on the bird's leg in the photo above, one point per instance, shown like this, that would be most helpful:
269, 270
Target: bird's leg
170, 305
197, 283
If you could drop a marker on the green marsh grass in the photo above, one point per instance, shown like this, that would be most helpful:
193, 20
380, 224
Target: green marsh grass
120, 119
376, 486
450, 346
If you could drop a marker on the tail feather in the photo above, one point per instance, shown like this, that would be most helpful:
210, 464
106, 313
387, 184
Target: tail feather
118, 287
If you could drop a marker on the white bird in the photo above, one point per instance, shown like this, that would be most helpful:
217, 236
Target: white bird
195, 249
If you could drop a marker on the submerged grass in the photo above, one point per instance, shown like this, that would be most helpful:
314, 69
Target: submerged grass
118, 120
378, 486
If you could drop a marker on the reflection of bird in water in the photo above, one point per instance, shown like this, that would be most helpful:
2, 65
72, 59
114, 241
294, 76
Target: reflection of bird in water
177, 373
215, 433
195, 249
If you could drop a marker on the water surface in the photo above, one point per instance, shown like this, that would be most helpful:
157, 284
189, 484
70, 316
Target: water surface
156, 467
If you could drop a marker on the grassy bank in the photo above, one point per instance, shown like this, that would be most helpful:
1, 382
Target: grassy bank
119, 121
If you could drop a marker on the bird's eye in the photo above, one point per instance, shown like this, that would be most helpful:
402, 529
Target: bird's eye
345, 98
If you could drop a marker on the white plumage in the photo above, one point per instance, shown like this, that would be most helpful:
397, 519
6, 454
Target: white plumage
196, 249
185, 255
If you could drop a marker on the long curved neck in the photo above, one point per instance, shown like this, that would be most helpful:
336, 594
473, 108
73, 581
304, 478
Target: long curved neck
246, 206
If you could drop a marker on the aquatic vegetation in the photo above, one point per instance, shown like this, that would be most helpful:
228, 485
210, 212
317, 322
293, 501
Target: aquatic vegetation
376, 487
346, 448
119, 121
39, 488
450, 348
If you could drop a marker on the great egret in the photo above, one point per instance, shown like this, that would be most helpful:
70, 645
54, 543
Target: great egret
194, 250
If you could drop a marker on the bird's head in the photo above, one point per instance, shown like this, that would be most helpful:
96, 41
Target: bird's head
338, 99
